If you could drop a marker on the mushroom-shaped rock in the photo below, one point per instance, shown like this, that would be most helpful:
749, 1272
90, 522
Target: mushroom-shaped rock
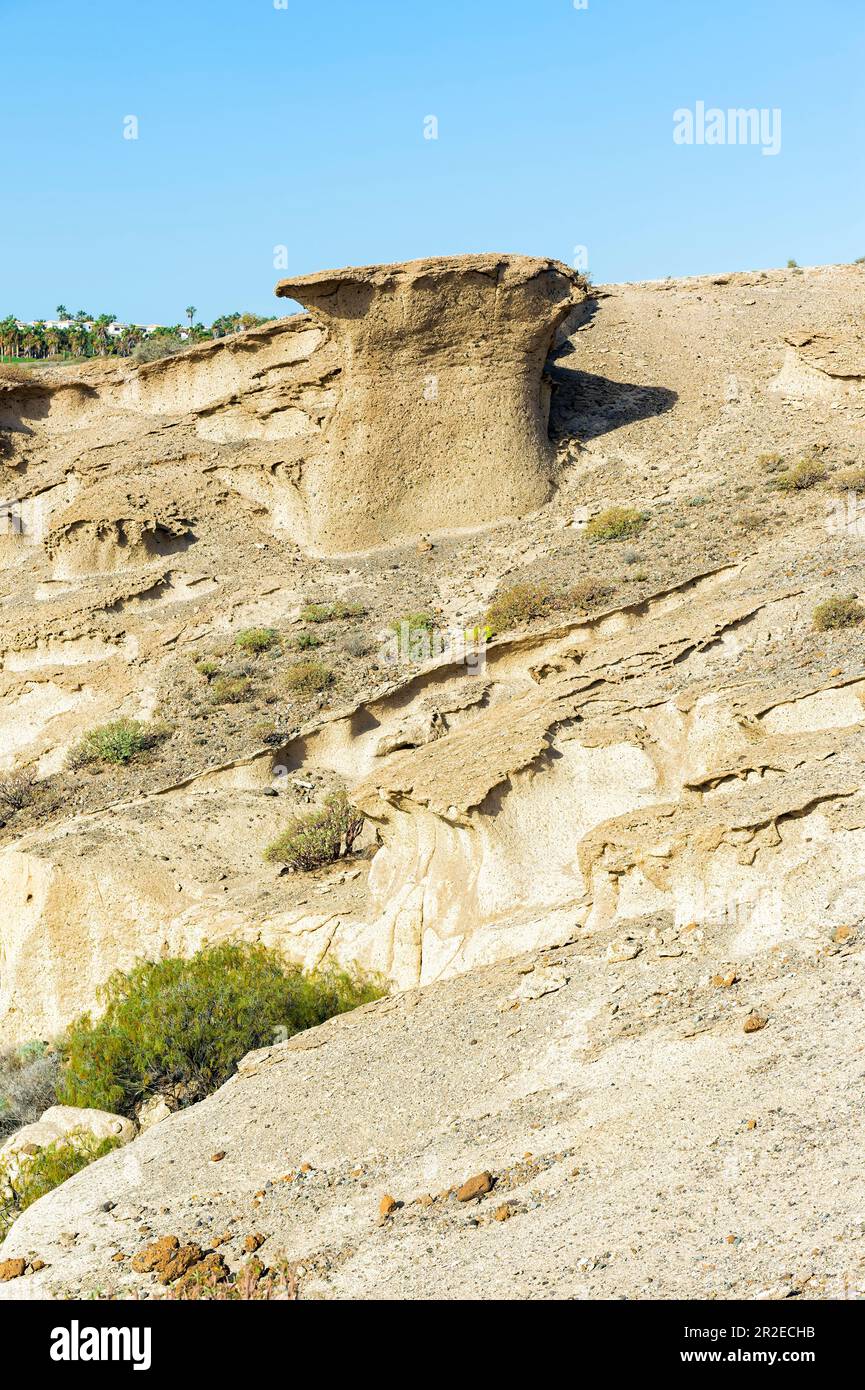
441, 417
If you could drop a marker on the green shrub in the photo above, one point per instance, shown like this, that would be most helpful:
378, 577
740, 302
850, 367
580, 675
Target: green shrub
207, 669
616, 524
330, 612
309, 677
319, 837
806, 473
838, 612
120, 742
306, 641
256, 639
230, 690
24, 1181
178, 1028
518, 605
415, 622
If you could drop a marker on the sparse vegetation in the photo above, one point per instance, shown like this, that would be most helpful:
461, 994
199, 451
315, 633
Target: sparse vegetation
230, 690
805, 473
771, 462
330, 612
414, 622
28, 1085
178, 1028
320, 837
838, 612
208, 669
616, 524
17, 790
257, 639
252, 1283
519, 604
852, 477
119, 742
357, 644
589, 592
307, 641
750, 521
309, 677
23, 1182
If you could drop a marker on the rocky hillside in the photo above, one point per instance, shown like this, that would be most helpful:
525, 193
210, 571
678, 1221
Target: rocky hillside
652, 776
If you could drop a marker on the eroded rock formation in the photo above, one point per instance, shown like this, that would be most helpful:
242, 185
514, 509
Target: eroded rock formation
441, 414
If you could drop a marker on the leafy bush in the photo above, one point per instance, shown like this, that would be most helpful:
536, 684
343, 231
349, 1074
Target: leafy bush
178, 1028
415, 622
120, 742
230, 690
28, 1085
517, 605
329, 612
23, 1182
158, 345
208, 669
306, 641
616, 524
17, 790
806, 473
256, 639
318, 837
309, 677
838, 612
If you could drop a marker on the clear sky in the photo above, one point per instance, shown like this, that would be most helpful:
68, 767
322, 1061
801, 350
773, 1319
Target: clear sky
300, 123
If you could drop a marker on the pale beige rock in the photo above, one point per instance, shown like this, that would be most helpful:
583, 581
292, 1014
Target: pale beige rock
63, 1121
441, 416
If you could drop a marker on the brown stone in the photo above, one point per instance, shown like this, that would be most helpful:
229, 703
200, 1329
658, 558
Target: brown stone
503, 1212
253, 1243
36, 1265
475, 1187
754, 1022
725, 981
843, 934
11, 1269
217, 1157
166, 1258
387, 1205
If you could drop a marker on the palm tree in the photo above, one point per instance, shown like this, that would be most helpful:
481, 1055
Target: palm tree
62, 313
9, 336
190, 312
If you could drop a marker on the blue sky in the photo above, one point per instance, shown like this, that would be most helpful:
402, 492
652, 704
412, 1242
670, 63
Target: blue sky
303, 127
